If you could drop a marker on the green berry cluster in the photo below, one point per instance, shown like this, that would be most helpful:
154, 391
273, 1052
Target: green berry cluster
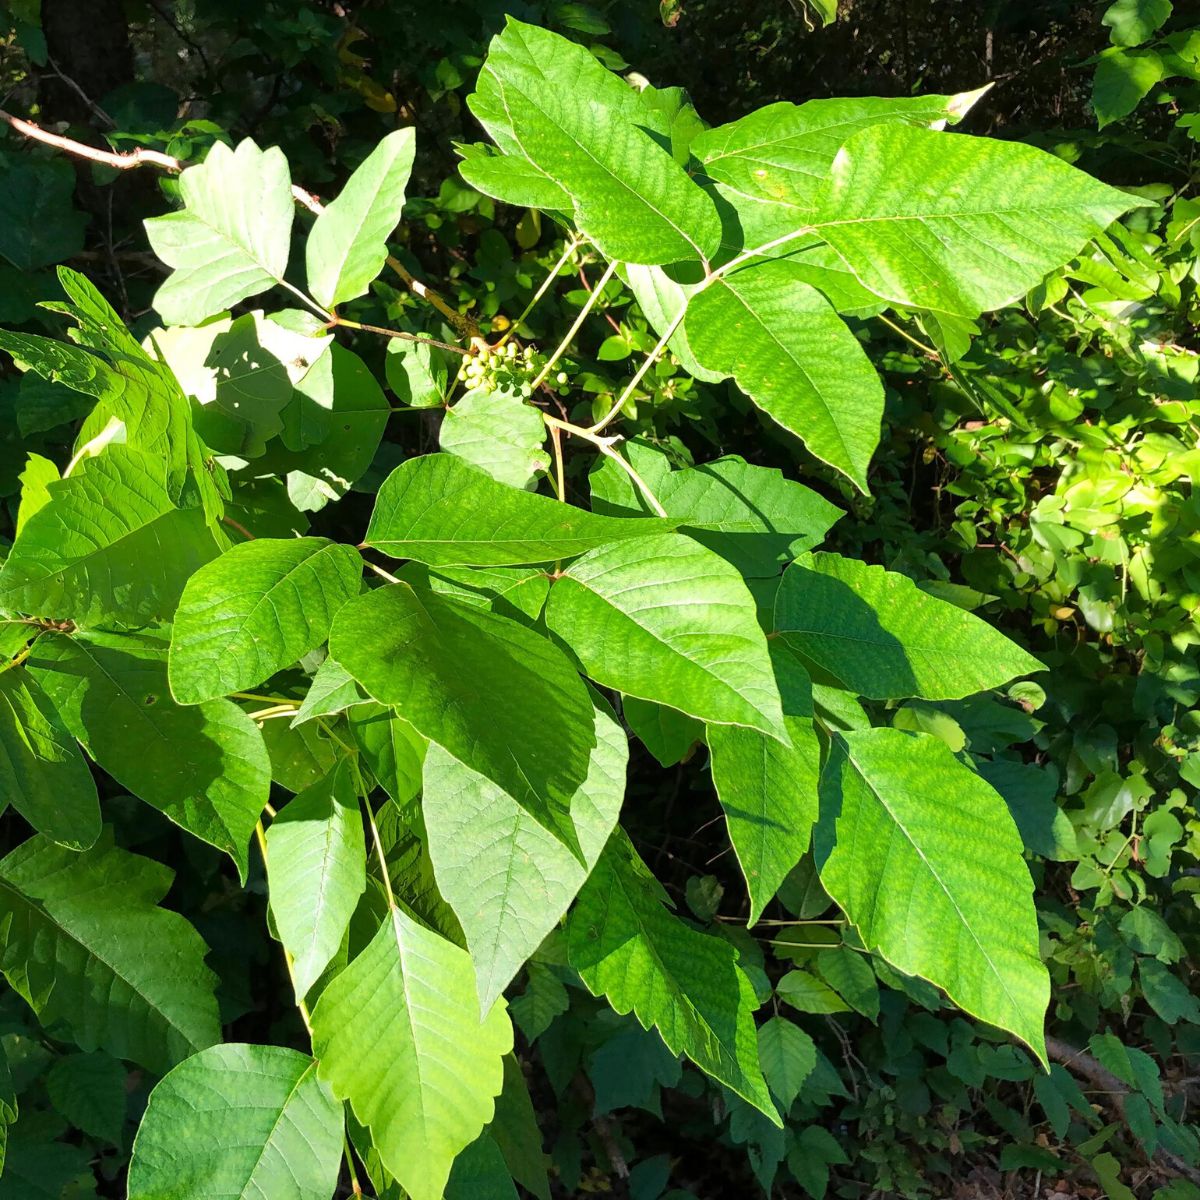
509, 368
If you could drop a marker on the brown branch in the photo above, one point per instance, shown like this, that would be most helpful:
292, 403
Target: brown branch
140, 157
1092, 1071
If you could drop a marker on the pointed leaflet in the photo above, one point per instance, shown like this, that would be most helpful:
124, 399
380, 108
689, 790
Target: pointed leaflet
439, 510
788, 1058
39, 473
89, 1090
628, 946
42, 774
85, 945
398, 1034
664, 619
255, 610
923, 856
878, 635
956, 223
316, 871
508, 880
288, 1143
205, 767
232, 237
794, 357
347, 246
547, 100
498, 696
498, 433
108, 548
770, 164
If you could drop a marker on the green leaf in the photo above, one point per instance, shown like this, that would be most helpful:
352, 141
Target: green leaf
667, 620
752, 516
877, 634
480, 1173
39, 473
441, 511
511, 179
788, 1058
204, 766
549, 101
499, 434
316, 871
347, 245
392, 748
255, 610
39, 224
42, 774
956, 223
89, 1090
507, 879
1122, 81
666, 732
232, 237
499, 697
768, 792
288, 1143
1135, 21
770, 164
108, 548
794, 357
417, 373
626, 945
807, 993
940, 889
86, 947
331, 691
398, 1034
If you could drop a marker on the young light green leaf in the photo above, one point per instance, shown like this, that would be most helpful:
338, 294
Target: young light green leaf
768, 792
667, 620
109, 548
204, 766
507, 879
316, 871
770, 164
878, 635
347, 245
288, 1143
39, 473
499, 697
628, 946
255, 610
231, 238
969, 224
87, 948
398, 1035
331, 691
499, 434
1133, 22
42, 774
788, 1058
547, 100
885, 853
794, 357
439, 510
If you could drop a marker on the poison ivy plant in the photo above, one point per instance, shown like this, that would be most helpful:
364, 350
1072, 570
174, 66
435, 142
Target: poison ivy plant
431, 757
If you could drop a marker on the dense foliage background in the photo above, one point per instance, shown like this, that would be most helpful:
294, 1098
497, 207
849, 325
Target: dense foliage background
1036, 468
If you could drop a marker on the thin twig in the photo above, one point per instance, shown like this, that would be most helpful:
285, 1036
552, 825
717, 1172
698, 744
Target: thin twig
399, 333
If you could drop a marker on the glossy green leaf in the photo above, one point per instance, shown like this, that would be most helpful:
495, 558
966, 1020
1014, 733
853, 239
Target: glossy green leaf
507, 879
398, 1035
499, 434
768, 792
109, 548
969, 224
316, 871
667, 620
255, 610
204, 766
288, 1143
231, 238
940, 890
1122, 81
628, 946
347, 245
42, 773
794, 357
439, 510
499, 697
87, 948
549, 101
877, 634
